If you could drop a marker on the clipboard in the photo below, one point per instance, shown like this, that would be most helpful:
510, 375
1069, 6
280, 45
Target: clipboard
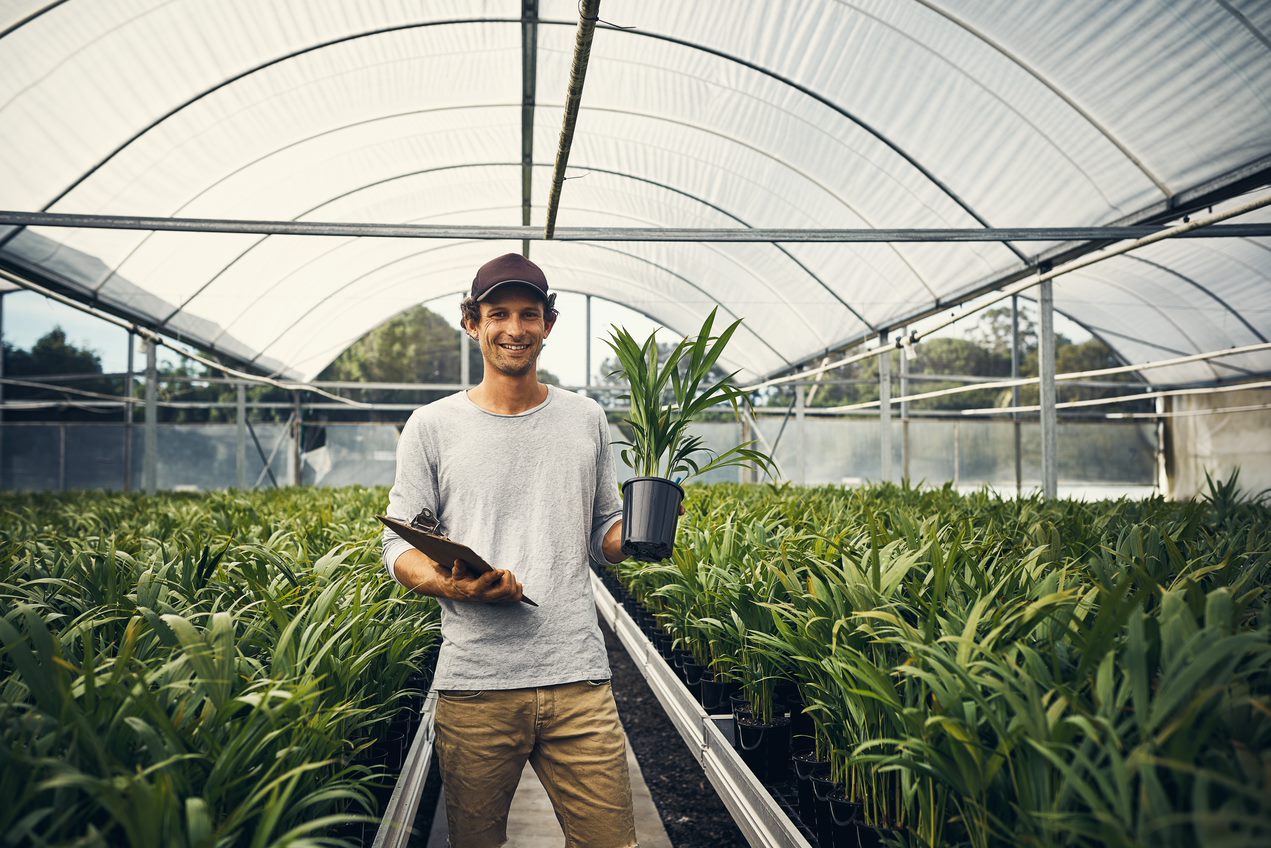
440, 548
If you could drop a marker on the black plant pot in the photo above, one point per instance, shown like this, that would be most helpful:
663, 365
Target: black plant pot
663, 642
740, 708
822, 789
850, 830
650, 514
806, 767
802, 730
713, 693
692, 673
765, 747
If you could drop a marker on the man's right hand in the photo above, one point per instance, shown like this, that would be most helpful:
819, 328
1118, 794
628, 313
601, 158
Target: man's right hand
493, 587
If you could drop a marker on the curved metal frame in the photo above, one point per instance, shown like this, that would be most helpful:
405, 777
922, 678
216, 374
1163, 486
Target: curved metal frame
405, 257
670, 39
654, 318
1208, 292
1053, 89
409, 174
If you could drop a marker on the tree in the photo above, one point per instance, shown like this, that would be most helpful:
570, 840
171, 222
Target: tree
415, 346
993, 332
52, 355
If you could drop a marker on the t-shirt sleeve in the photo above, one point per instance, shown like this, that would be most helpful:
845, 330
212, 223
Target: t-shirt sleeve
414, 487
607, 507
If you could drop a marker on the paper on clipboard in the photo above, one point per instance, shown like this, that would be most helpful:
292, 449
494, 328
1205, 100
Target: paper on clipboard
440, 548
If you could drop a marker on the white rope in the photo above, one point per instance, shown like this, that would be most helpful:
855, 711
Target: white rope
1186, 413
1075, 404
1071, 375
1024, 285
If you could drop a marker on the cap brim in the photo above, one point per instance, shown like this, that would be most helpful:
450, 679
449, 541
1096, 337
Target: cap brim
532, 286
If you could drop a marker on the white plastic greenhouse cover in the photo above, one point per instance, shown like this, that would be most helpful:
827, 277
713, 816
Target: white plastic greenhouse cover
812, 114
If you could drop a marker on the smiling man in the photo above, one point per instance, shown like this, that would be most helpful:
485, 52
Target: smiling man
523, 474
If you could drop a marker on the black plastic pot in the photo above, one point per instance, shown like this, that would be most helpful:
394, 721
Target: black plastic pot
650, 514
765, 747
822, 789
850, 830
802, 730
692, 673
663, 641
806, 767
712, 693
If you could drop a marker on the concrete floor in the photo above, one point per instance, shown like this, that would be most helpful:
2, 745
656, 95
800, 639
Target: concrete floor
532, 824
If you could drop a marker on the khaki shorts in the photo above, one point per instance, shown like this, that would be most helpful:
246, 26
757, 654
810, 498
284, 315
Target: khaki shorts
572, 737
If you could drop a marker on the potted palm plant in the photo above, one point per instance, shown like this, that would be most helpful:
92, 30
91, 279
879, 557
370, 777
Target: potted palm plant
667, 395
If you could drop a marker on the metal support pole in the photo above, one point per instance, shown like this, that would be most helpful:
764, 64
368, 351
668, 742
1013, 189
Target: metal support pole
884, 411
1162, 460
1049, 417
800, 425
129, 382
904, 410
2, 294
745, 473
61, 457
587, 349
465, 377
240, 458
1015, 421
150, 456
296, 430
957, 454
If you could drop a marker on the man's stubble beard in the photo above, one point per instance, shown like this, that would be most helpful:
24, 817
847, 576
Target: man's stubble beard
507, 370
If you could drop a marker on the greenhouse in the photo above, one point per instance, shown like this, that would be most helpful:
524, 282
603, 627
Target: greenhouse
898, 470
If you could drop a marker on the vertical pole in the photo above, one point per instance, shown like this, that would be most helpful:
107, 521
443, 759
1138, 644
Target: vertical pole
129, 380
800, 422
465, 377
745, 472
295, 440
1015, 422
240, 457
884, 410
904, 409
2, 294
150, 455
957, 454
61, 457
1162, 466
1049, 416
587, 349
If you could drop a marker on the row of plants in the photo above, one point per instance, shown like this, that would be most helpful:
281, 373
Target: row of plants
968, 670
210, 670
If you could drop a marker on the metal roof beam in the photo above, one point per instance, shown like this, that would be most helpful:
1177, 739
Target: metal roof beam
640, 234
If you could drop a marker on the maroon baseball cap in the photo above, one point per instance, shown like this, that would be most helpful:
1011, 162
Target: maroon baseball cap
508, 268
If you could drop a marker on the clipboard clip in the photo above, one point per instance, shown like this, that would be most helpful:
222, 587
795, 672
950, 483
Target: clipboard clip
428, 523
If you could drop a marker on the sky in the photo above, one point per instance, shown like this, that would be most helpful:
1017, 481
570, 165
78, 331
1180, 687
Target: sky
28, 316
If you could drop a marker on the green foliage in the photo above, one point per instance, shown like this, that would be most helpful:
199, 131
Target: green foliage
198, 671
658, 439
989, 672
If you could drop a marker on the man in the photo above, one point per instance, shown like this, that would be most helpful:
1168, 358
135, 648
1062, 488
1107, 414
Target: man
522, 473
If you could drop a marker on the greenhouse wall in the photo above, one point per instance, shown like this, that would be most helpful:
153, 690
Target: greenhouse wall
1095, 458
1218, 443
191, 457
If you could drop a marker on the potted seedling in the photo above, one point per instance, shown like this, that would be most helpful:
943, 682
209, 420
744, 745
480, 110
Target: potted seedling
667, 395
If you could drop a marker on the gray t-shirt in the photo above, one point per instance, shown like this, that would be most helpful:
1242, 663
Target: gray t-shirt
533, 493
